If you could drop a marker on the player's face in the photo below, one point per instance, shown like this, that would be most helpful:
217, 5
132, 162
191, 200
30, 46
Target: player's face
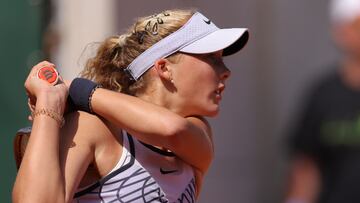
200, 82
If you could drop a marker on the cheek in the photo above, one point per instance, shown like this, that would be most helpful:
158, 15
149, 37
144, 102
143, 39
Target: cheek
206, 72
204, 80
196, 78
195, 87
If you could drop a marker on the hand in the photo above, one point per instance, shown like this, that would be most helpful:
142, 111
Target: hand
44, 95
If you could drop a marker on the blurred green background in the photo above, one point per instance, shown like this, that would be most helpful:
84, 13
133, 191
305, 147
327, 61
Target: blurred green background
21, 24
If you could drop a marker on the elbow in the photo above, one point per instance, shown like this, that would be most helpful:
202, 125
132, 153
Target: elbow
173, 132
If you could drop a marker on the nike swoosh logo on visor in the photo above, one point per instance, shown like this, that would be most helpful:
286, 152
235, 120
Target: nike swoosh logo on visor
207, 21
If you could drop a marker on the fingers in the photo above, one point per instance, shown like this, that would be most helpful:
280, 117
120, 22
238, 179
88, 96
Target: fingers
31, 105
60, 80
33, 85
67, 82
30, 118
41, 65
34, 71
36, 68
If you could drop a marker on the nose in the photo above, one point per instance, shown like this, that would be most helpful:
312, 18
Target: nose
225, 73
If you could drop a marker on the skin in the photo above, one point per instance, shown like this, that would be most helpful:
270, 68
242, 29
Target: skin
39, 90
168, 115
202, 100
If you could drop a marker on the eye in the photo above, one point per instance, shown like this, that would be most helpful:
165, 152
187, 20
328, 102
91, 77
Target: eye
216, 59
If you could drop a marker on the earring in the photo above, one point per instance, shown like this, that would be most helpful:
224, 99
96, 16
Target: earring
171, 78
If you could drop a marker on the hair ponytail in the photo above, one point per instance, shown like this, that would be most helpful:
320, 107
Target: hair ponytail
107, 67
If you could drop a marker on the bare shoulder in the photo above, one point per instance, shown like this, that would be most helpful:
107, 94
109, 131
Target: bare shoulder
202, 123
205, 139
85, 127
82, 142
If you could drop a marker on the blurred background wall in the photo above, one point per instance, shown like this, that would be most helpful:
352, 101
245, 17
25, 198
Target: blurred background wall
289, 48
21, 26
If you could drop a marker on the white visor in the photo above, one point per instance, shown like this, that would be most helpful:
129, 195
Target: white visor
198, 36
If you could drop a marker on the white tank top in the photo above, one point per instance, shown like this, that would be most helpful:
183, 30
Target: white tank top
143, 174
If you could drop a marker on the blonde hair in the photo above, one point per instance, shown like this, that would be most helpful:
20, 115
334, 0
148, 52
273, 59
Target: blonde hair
107, 67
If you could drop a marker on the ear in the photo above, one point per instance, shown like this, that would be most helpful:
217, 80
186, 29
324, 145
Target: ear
162, 66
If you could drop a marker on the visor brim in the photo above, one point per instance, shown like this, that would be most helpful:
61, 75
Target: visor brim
230, 40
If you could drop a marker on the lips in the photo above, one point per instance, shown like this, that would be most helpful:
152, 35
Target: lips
218, 96
219, 91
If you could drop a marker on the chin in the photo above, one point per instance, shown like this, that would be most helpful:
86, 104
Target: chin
213, 115
213, 112
207, 110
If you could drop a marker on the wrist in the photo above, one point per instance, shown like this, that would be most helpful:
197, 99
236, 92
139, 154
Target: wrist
50, 113
50, 100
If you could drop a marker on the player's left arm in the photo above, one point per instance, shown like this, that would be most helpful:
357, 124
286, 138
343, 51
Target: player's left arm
189, 138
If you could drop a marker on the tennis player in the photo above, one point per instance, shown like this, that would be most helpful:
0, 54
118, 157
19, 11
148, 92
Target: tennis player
139, 133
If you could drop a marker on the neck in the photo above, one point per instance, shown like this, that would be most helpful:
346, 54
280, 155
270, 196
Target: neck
163, 98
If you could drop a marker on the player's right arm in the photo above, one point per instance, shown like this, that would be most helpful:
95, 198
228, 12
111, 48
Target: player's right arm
55, 158
53, 167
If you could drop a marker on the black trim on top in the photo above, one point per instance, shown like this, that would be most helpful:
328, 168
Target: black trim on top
157, 150
114, 173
